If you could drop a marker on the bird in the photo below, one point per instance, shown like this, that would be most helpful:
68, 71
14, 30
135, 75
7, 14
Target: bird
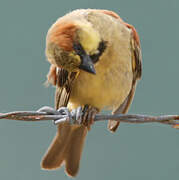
96, 61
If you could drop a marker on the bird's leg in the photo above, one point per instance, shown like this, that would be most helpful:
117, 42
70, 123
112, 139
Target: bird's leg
88, 116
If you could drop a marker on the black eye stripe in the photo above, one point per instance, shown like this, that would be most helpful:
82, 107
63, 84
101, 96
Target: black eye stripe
101, 48
79, 49
95, 57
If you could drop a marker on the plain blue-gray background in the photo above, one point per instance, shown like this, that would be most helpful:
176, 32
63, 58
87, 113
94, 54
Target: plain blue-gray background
136, 152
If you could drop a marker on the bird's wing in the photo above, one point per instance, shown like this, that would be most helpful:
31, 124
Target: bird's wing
69, 140
63, 80
63, 87
137, 73
55, 155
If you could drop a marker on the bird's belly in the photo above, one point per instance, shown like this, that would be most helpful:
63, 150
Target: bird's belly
107, 89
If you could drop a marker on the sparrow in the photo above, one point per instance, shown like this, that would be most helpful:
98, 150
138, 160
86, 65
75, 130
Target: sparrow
95, 62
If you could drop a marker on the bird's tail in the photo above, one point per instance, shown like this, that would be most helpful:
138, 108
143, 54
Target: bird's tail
66, 148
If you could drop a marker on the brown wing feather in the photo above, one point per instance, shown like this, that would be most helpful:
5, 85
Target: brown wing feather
137, 73
68, 143
55, 154
63, 88
76, 133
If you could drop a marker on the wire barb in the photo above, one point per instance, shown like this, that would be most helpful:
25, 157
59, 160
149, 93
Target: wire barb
63, 114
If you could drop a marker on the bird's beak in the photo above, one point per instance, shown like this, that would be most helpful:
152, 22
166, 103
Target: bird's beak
87, 64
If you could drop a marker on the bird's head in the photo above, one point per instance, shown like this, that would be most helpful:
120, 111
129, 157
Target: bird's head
74, 46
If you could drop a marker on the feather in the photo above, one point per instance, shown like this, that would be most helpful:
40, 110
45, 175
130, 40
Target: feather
137, 73
68, 143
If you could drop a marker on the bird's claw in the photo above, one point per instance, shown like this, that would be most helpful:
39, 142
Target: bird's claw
66, 116
79, 115
88, 116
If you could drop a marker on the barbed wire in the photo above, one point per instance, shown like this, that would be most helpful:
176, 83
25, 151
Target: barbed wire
59, 116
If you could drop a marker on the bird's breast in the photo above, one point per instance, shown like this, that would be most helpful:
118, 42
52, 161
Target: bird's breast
113, 80
108, 88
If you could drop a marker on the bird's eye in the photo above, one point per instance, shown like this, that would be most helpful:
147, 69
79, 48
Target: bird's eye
101, 48
78, 49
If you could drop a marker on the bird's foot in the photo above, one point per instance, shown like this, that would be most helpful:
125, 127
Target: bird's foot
88, 116
80, 115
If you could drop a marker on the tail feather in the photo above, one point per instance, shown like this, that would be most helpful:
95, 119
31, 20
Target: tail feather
66, 147
74, 150
55, 155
